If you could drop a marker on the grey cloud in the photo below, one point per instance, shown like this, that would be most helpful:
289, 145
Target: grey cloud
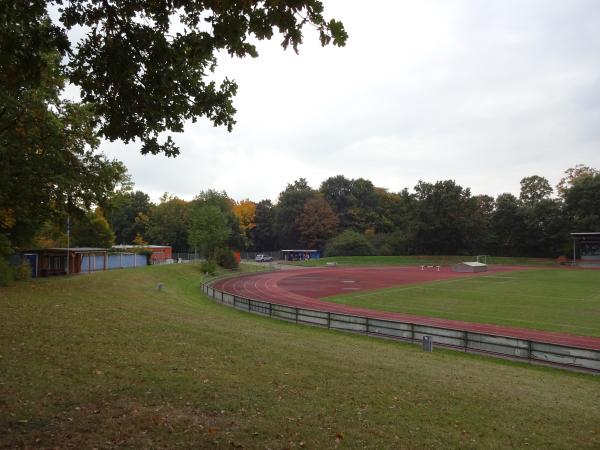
484, 92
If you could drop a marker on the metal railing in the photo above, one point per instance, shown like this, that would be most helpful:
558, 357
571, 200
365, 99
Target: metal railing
467, 341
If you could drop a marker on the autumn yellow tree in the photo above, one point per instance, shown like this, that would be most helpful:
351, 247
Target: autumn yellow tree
245, 212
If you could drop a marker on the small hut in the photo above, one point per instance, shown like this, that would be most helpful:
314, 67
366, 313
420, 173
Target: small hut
589, 244
300, 255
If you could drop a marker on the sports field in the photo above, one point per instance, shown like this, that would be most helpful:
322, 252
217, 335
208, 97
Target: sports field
558, 305
564, 300
107, 361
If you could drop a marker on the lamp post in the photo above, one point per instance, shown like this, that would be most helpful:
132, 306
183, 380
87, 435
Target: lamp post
68, 241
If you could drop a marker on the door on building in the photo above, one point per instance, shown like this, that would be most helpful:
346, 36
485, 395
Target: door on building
32, 259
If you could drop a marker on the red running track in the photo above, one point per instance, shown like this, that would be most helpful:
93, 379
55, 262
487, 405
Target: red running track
304, 288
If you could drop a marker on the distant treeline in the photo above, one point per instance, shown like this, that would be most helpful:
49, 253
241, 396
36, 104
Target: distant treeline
347, 216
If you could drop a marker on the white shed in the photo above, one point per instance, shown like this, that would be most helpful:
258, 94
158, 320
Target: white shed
470, 267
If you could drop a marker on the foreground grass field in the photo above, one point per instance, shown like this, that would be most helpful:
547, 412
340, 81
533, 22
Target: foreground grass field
107, 361
564, 300
416, 260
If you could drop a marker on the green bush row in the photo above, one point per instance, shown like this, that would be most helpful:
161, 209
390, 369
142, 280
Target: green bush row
10, 273
223, 257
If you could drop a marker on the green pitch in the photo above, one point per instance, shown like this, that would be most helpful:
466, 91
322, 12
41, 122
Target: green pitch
547, 299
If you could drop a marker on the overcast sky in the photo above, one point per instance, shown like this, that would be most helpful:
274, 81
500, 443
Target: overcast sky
484, 92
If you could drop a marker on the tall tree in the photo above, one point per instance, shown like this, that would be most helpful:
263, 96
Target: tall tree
544, 223
582, 201
92, 230
245, 212
237, 239
263, 237
444, 221
481, 237
338, 193
317, 223
147, 67
365, 206
391, 212
170, 223
129, 215
545, 231
534, 189
508, 225
48, 164
289, 208
572, 174
209, 230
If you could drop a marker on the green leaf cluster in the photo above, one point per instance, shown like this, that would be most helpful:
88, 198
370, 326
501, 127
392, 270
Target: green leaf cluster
148, 67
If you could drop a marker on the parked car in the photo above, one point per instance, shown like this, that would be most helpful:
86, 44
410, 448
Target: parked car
263, 258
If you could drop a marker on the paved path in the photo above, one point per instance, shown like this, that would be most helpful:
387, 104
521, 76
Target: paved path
305, 288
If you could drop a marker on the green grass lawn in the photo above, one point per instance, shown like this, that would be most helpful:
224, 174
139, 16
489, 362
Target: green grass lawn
556, 300
416, 260
107, 361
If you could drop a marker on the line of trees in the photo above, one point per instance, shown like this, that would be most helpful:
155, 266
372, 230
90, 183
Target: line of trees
352, 216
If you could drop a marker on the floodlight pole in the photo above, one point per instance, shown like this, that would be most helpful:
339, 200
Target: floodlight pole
574, 254
68, 240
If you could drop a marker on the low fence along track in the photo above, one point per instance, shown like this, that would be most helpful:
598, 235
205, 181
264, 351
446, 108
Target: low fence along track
468, 341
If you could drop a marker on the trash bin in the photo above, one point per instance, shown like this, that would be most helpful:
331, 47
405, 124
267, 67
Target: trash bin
427, 344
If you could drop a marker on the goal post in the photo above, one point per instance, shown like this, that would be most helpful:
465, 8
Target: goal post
481, 259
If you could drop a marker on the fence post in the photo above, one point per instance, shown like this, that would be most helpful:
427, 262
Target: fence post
235, 301
296, 315
367, 326
328, 320
270, 309
466, 339
412, 332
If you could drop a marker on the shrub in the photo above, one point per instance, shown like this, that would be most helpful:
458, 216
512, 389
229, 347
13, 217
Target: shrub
397, 243
349, 243
7, 272
386, 250
23, 270
209, 267
225, 258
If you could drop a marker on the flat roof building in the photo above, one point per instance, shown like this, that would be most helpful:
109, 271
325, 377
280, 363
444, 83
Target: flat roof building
589, 245
300, 255
61, 261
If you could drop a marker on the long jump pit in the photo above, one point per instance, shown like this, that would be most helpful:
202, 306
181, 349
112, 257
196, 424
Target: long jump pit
304, 288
